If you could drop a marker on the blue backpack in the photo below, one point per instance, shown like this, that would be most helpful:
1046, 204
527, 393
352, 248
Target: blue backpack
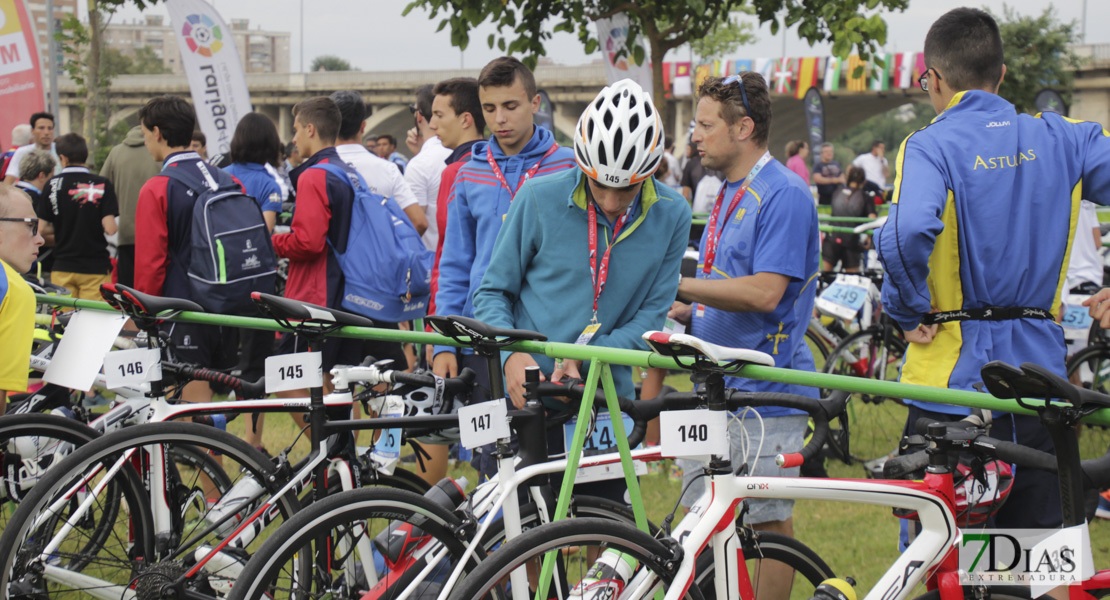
386, 268
231, 254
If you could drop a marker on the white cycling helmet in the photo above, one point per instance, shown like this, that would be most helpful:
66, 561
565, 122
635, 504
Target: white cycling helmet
619, 139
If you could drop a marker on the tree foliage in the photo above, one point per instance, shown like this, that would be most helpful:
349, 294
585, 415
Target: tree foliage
143, 62
724, 38
525, 26
330, 62
1037, 56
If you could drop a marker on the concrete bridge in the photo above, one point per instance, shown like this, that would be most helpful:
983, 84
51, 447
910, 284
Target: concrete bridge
570, 88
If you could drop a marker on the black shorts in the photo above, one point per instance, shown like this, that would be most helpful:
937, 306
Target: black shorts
125, 265
834, 250
207, 346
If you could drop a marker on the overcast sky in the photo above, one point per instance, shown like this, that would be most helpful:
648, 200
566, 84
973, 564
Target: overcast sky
373, 35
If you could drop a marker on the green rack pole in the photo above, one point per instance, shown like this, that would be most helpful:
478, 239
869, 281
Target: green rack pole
636, 358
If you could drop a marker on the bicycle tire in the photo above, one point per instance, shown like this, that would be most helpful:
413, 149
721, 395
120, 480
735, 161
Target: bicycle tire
875, 423
1093, 367
766, 545
569, 539
821, 357
334, 519
582, 506
141, 560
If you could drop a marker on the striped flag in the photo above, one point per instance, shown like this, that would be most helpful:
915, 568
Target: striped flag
807, 76
856, 83
903, 69
919, 66
831, 81
766, 68
880, 75
784, 76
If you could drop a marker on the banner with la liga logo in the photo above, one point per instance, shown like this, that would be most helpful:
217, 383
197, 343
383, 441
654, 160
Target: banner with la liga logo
215, 72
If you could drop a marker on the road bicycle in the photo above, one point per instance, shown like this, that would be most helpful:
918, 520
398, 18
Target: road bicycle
172, 538
636, 565
351, 515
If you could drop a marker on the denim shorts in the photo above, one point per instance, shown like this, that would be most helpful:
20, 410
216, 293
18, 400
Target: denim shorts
780, 435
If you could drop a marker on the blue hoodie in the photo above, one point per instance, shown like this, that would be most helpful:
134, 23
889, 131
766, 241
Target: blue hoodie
478, 207
983, 214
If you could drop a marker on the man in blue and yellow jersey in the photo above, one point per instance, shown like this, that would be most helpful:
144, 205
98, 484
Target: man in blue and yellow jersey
19, 247
976, 246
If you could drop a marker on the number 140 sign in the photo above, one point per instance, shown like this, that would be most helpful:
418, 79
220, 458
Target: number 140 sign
693, 433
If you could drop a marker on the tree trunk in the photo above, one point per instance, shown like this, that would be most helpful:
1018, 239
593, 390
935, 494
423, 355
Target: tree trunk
658, 90
92, 79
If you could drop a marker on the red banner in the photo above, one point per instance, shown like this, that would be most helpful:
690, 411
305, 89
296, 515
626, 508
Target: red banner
21, 91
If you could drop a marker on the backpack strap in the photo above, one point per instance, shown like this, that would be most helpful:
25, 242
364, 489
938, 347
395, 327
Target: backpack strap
197, 184
343, 174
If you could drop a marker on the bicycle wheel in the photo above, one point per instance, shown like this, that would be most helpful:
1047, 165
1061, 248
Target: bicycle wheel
767, 555
576, 543
359, 563
875, 423
1092, 367
819, 346
42, 555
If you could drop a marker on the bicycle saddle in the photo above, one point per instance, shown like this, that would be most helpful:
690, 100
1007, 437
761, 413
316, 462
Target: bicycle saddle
865, 227
1034, 381
137, 304
681, 345
472, 331
285, 310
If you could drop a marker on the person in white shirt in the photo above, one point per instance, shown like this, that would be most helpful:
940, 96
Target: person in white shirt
426, 167
674, 170
380, 175
1084, 266
874, 164
42, 133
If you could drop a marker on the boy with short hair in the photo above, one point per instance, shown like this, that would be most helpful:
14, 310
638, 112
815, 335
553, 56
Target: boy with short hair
79, 208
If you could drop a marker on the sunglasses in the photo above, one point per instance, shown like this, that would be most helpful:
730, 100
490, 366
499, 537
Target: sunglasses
31, 222
743, 93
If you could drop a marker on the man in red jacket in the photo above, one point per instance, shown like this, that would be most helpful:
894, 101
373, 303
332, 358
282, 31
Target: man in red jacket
163, 230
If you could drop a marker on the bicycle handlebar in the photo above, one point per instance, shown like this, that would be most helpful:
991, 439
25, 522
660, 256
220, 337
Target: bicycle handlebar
242, 387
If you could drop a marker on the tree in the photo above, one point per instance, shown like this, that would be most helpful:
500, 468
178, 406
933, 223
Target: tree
1037, 56
75, 39
523, 28
330, 62
724, 38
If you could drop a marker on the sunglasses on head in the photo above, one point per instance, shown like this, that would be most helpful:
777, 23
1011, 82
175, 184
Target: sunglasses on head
743, 93
31, 222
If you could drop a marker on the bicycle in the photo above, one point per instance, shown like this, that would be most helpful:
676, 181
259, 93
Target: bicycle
646, 565
162, 548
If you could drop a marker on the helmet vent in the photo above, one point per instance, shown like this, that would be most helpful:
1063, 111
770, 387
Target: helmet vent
651, 165
607, 119
590, 129
650, 133
618, 141
602, 159
582, 155
628, 161
599, 102
631, 101
633, 122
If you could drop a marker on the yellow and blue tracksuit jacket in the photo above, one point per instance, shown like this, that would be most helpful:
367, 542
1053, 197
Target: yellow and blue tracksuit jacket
983, 214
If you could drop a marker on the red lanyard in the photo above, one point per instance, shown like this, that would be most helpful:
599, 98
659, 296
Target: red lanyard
712, 235
600, 275
531, 172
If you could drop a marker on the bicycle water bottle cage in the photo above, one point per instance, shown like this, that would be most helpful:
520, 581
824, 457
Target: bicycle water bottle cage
146, 310
701, 356
307, 320
485, 339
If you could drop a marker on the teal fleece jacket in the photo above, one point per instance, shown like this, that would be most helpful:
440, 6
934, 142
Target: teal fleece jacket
539, 274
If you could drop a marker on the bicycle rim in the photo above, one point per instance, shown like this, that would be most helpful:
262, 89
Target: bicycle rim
371, 550
131, 554
770, 558
575, 543
875, 423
